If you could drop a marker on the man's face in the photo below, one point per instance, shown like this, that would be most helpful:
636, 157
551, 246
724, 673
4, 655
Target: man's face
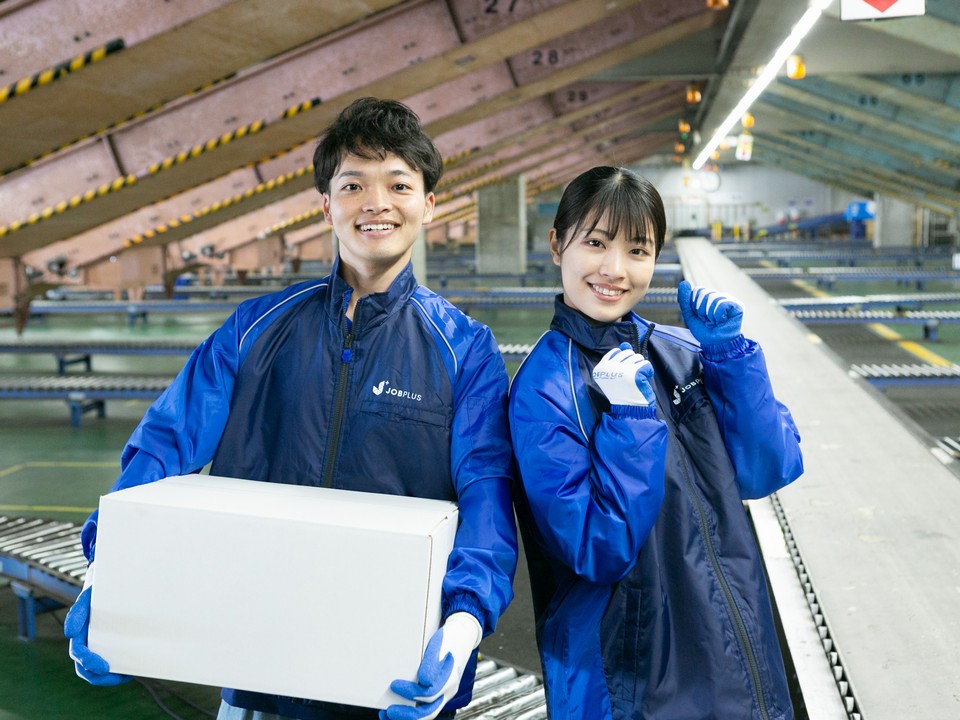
604, 276
376, 208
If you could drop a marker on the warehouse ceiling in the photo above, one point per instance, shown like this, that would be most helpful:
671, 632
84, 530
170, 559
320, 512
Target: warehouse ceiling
134, 122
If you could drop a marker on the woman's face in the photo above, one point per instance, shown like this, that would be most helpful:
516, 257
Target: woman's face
604, 276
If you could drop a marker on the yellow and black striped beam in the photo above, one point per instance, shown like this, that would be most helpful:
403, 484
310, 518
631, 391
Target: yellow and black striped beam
128, 180
220, 205
108, 128
211, 144
64, 205
293, 223
44, 77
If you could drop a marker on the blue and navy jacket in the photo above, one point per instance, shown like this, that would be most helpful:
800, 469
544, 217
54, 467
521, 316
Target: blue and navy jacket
648, 587
407, 399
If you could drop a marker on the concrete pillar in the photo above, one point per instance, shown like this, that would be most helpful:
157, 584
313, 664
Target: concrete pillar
895, 223
502, 227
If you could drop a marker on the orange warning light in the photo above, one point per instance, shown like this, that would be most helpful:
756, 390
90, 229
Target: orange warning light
796, 67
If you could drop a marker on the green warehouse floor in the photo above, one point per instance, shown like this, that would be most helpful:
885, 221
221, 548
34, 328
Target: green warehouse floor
50, 469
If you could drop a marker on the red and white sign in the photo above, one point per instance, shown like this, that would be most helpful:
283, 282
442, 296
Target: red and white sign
880, 9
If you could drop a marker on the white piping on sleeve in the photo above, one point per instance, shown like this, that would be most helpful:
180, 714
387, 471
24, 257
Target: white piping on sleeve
423, 311
274, 307
527, 358
573, 389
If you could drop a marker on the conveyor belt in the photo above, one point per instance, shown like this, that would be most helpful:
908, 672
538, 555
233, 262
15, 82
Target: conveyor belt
886, 316
50, 546
45, 560
72, 352
930, 320
138, 308
82, 393
489, 297
45, 564
503, 692
950, 445
110, 347
47, 387
829, 275
863, 301
897, 374
860, 248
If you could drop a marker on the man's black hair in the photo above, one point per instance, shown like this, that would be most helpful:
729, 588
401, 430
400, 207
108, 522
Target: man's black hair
626, 200
370, 128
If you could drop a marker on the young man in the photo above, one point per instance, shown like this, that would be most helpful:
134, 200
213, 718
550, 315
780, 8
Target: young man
290, 389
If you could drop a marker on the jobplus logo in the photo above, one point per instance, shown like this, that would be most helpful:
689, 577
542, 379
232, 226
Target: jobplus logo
384, 388
680, 390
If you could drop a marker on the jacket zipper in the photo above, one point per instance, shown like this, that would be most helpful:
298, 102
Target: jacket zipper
339, 403
745, 645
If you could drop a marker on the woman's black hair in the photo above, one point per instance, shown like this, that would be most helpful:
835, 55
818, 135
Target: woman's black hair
625, 200
370, 128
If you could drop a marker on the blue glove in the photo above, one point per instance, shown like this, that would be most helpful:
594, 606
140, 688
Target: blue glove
711, 316
90, 666
441, 669
624, 377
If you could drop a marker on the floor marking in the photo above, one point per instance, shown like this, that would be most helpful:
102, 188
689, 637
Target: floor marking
804, 285
46, 508
911, 347
57, 464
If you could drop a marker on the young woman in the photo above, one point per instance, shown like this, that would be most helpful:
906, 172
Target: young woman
636, 445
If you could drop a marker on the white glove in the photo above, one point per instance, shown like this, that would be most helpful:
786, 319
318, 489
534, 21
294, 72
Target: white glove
624, 377
441, 670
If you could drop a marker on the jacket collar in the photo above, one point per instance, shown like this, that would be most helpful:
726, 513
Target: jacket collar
591, 335
375, 307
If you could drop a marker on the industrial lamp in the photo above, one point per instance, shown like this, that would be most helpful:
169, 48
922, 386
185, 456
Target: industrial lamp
796, 67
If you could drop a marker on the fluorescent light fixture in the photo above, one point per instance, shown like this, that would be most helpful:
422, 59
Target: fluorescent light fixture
765, 77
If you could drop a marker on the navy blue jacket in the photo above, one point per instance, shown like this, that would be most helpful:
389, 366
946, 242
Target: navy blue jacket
408, 399
649, 591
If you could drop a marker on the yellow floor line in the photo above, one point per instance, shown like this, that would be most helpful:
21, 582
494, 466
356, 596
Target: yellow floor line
911, 347
57, 464
12, 469
45, 508
804, 285
924, 354
884, 332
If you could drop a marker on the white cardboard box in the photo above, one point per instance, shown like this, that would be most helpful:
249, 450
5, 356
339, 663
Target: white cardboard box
291, 590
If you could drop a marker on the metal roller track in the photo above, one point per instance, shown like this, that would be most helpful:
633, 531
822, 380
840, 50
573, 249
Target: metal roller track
503, 692
107, 347
78, 387
864, 301
883, 316
832, 652
51, 547
900, 374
